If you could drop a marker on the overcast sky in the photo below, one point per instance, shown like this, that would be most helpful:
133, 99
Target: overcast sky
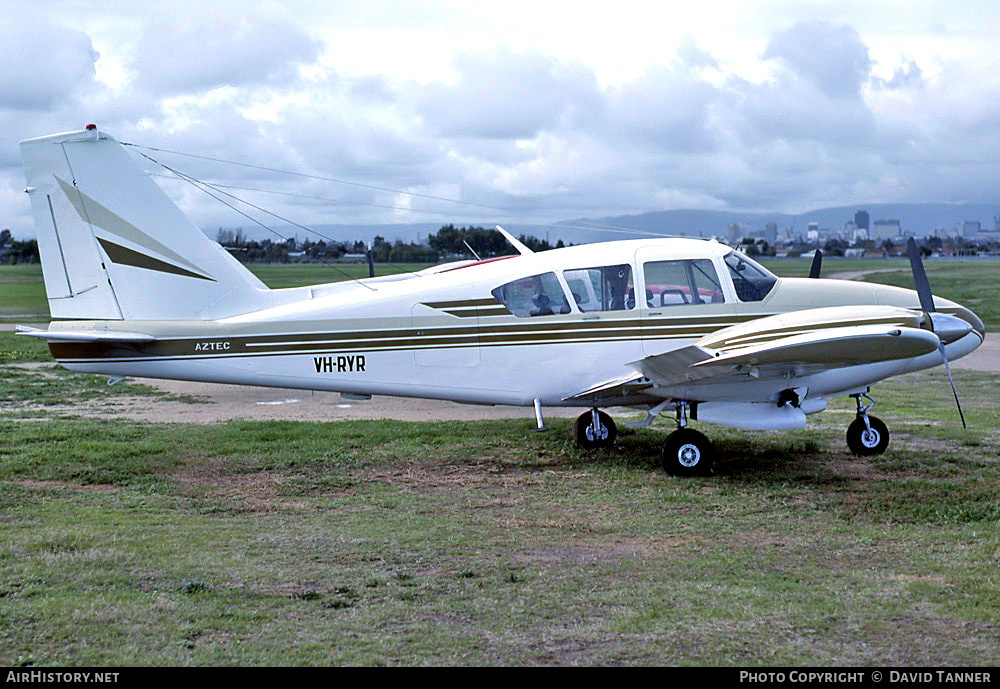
546, 110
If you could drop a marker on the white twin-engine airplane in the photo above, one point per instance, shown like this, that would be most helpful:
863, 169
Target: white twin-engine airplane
684, 326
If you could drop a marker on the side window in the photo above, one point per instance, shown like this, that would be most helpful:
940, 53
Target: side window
607, 288
673, 283
538, 295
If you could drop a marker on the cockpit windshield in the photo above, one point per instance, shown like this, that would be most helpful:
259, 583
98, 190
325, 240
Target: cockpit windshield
752, 281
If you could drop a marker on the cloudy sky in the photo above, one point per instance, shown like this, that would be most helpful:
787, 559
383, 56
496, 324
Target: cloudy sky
524, 111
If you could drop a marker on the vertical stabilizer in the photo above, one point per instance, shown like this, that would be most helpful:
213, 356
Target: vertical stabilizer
114, 246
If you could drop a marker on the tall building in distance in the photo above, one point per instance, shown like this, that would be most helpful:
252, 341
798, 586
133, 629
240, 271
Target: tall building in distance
771, 232
886, 229
861, 220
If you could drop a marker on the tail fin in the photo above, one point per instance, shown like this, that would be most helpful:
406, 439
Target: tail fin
114, 246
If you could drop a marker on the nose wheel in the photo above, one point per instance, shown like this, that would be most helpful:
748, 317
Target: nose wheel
594, 430
867, 435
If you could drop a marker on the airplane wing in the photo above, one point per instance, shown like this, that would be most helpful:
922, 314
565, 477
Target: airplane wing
84, 335
823, 349
799, 342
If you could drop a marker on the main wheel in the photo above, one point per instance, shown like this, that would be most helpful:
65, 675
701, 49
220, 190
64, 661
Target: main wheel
583, 431
865, 442
686, 452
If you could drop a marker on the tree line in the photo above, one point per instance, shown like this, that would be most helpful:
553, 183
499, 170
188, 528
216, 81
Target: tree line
13, 251
449, 242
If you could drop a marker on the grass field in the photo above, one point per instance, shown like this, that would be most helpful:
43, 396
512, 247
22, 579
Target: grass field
484, 543
22, 290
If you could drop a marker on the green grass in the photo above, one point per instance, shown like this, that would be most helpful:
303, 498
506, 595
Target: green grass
22, 292
482, 543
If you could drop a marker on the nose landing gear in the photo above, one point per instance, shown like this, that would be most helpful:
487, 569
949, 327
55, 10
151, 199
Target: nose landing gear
867, 435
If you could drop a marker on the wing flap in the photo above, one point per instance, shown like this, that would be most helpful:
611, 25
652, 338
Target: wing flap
623, 385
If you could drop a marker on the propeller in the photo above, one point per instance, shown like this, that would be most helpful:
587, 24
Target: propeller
817, 264
947, 328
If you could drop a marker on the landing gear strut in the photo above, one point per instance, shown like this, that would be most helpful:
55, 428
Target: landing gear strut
867, 435
594, 429
686, 452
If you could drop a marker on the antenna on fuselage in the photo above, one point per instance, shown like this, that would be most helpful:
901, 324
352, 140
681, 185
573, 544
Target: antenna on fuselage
521, 248
471, 250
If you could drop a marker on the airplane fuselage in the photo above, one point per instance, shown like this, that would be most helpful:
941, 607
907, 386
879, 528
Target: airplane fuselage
414, 337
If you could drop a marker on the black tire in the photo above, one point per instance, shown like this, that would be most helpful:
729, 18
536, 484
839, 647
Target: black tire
583, 431
865, 443
686, 452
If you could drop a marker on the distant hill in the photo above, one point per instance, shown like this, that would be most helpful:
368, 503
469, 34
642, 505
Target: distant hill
920, 218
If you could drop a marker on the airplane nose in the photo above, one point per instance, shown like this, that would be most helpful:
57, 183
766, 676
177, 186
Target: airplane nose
949, 328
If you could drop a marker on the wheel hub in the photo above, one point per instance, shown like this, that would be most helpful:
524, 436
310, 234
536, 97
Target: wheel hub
688, 455
600, 434
870, 438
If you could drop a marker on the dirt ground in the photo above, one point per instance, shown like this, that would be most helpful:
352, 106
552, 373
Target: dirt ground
226, 402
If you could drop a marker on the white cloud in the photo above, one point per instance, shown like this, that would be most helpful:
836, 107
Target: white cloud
833, 58
222, 47
43, 64
546, 111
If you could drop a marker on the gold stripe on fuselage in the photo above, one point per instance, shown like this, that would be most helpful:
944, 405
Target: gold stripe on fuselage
520, 333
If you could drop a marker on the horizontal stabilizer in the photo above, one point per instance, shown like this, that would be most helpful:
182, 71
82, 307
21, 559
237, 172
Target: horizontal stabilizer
84, 335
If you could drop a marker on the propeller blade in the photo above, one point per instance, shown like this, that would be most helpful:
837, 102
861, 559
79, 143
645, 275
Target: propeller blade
954, 392
923, 286
817, 264
920, 277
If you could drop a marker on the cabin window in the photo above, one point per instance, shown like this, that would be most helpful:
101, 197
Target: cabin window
538, 295
607, 288
751, 280
675, 283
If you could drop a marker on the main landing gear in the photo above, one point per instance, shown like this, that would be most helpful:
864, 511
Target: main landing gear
686, 452
867, 435
594, 429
